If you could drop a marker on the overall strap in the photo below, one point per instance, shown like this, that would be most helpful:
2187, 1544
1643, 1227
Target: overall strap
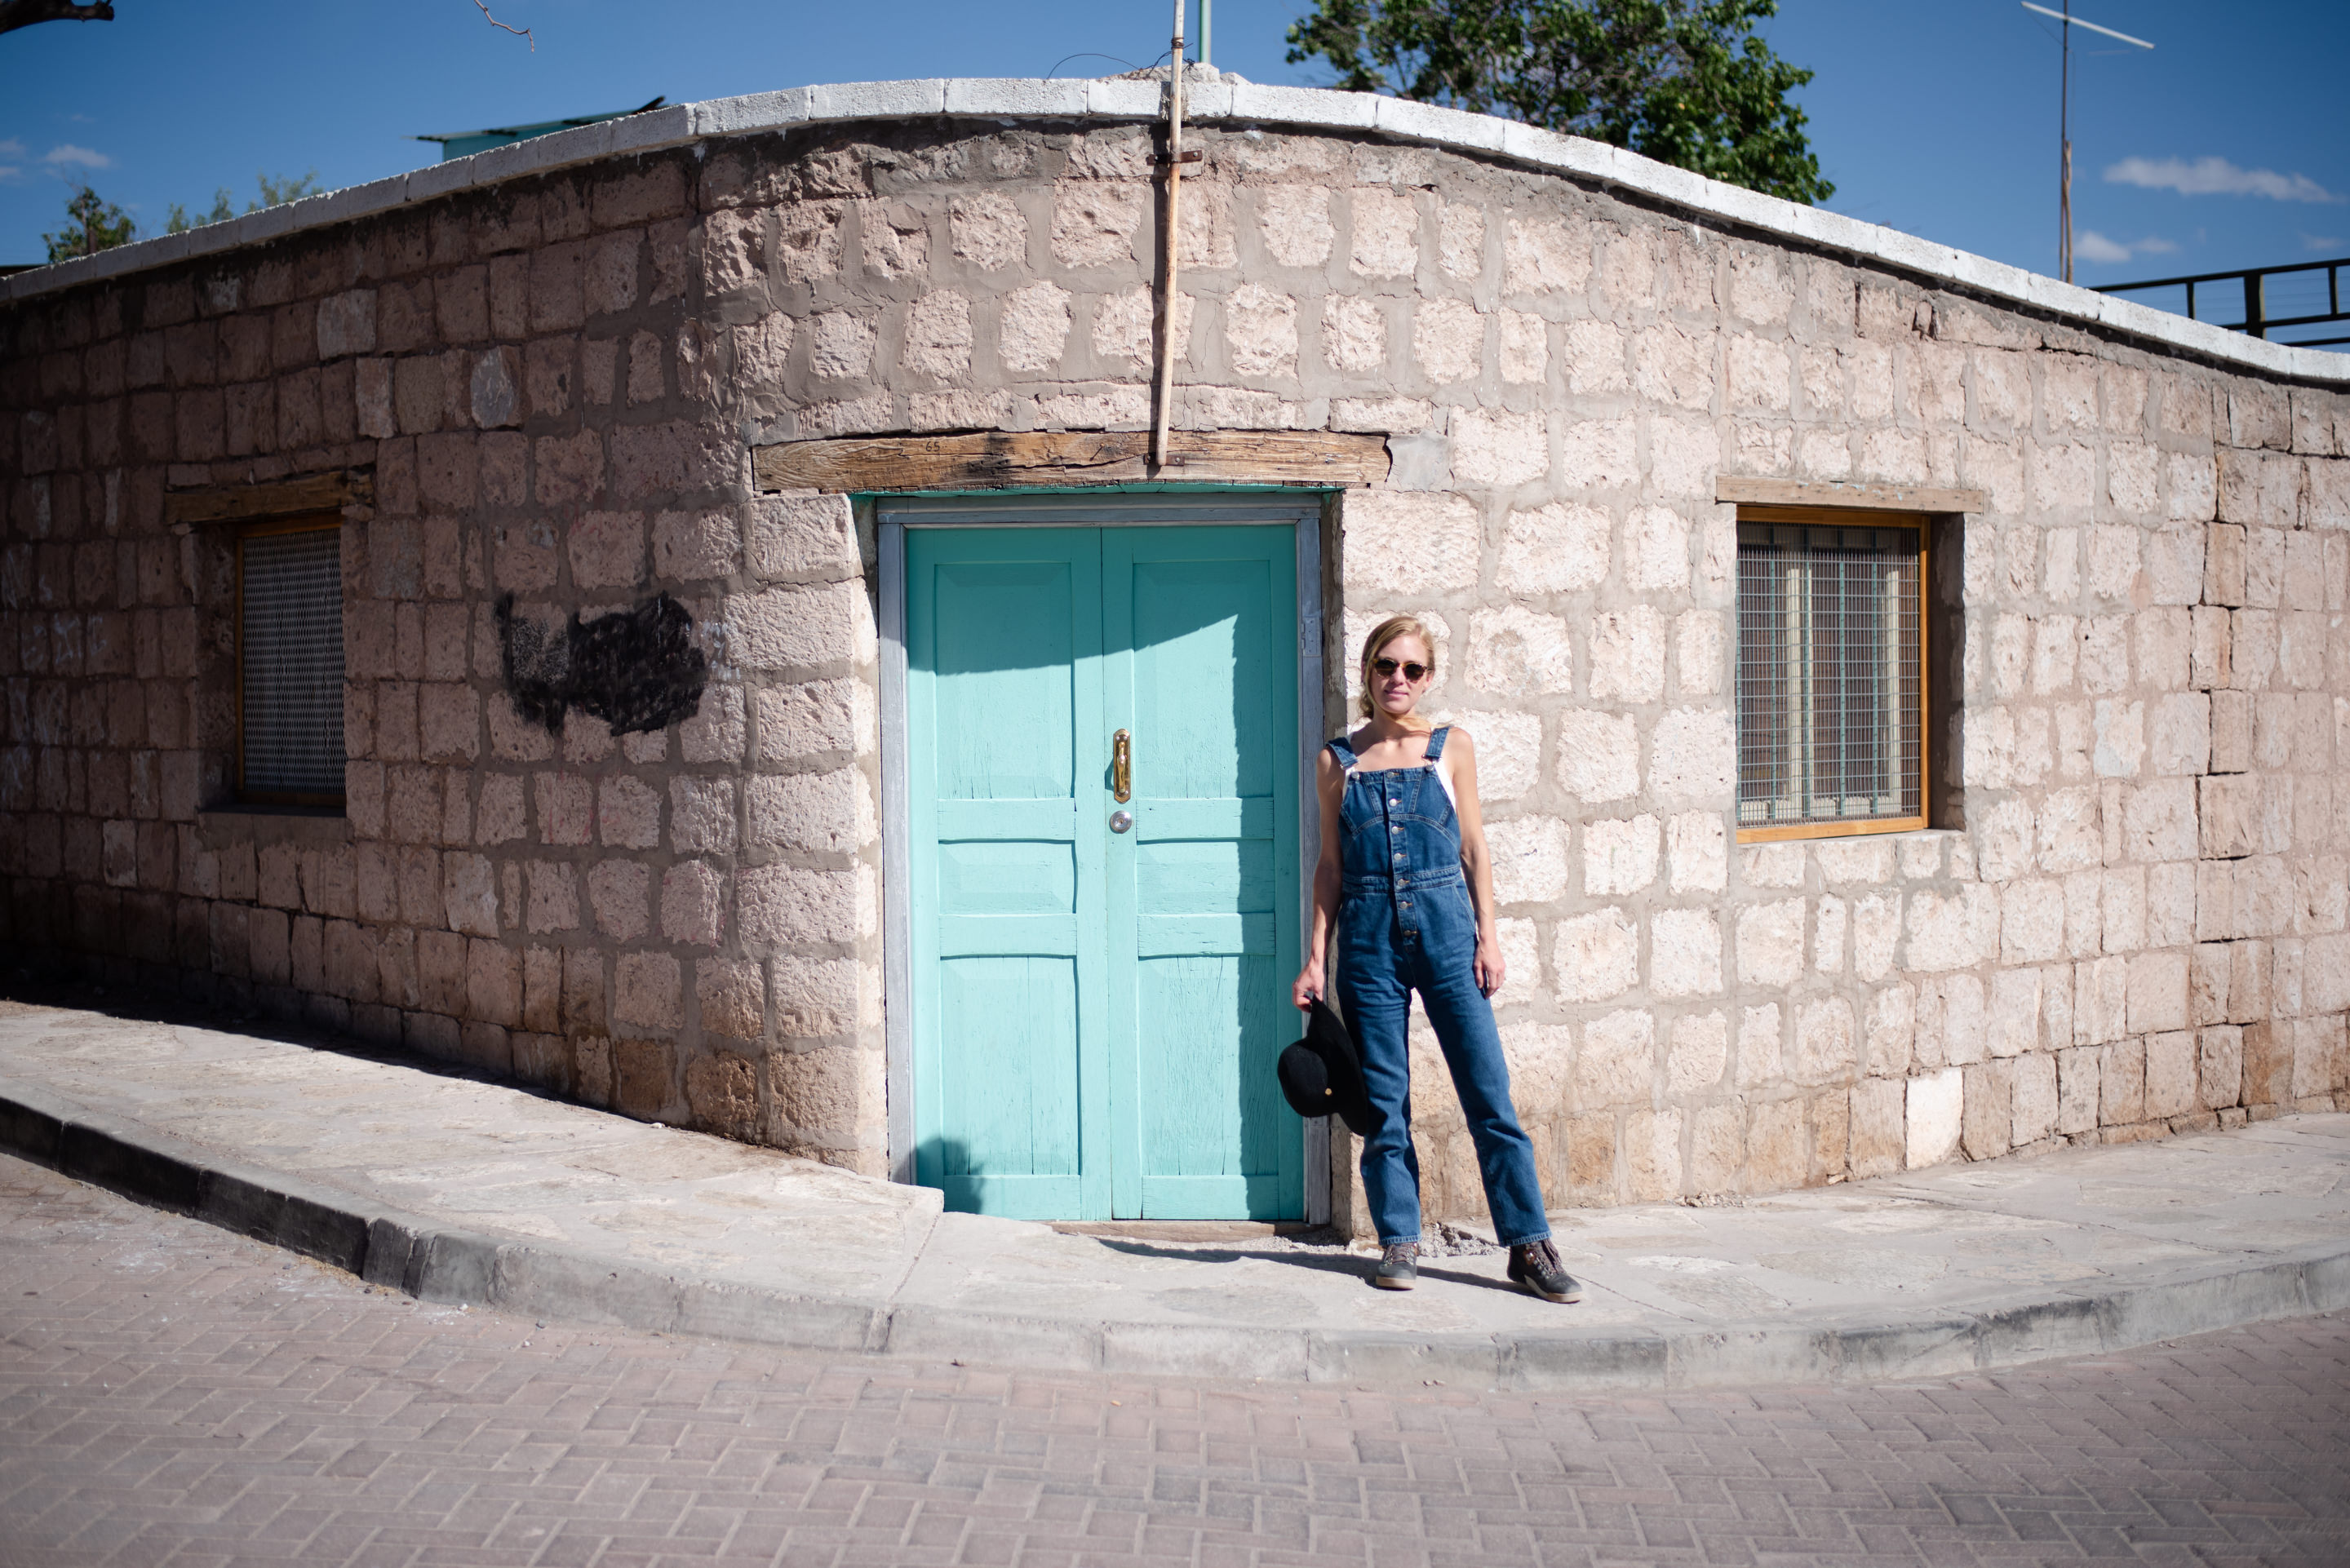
1436, 741
1346, 753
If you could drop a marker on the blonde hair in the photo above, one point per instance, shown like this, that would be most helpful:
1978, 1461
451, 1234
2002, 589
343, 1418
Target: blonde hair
1387, 631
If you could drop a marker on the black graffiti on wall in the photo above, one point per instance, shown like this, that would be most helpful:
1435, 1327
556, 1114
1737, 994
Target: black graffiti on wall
635, 668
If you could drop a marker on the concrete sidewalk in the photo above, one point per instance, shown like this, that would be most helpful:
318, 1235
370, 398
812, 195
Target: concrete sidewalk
456, 1190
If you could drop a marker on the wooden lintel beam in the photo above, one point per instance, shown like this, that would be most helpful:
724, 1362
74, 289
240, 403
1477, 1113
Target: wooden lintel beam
1878, 497
1008, 458
278, 498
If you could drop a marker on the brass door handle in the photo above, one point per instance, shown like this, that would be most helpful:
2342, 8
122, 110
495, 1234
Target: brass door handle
1121, 768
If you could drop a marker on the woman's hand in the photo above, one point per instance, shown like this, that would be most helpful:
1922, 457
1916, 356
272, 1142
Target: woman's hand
1490, 967
1308, 984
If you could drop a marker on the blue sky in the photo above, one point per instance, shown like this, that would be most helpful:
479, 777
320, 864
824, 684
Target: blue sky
2228, 145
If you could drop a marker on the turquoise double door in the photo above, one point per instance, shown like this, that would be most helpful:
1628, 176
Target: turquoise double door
1100, 985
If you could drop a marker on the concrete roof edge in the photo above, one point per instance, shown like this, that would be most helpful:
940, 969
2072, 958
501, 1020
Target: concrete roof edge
1233, 100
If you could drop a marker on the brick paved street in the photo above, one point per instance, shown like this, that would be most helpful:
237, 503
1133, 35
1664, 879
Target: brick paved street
169, 1394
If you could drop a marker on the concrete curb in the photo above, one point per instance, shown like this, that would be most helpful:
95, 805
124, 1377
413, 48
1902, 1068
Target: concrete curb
434, 1262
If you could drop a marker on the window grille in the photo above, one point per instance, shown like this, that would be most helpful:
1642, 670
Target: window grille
1831, 676
290, 666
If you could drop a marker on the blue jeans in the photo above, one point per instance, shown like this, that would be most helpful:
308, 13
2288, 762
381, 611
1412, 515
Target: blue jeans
1421, 935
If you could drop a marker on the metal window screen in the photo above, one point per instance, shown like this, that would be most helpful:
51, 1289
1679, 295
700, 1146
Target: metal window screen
1830, 724
290, 636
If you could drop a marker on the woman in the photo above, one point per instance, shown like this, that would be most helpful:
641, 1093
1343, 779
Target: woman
1399, 828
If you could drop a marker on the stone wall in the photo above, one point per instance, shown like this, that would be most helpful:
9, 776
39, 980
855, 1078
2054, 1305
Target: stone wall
680, 924
2129, 918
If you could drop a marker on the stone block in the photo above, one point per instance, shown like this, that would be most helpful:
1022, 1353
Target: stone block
1652, 1154
2015, 1012
1685, 953
1529, 859
1878, 1130
1875, 932
1694, 756
2080, 1073
1696, 852
493, 983
723, 1092
1761, 1051
1597, 756
1771, 943
646, 990
2170, 1075
1699, 1053
1620, 856
2157, 992
1554, 549
795, 906
824, 813
1414, 542
470, 895
2319, 1062
1932, 1117
554, 901
1826, 1045
693, 903
1616, 1065
2121, 1085
1988, 1122
2033, 1098
542, 990
2219, 1067
628, 813
2248, 982
1627, 656
1717, 1148
1595, 956
1778, 1146
643, 1078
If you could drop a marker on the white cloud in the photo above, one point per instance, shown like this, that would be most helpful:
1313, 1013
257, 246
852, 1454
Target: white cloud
2216, 177
11, 148
2093, 246
66, 152
2321, 241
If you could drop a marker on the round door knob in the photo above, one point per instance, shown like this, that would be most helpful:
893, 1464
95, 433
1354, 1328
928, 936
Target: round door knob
1119, 821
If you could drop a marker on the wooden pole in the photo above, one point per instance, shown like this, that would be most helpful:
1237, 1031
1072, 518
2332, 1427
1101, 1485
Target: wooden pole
1163, 399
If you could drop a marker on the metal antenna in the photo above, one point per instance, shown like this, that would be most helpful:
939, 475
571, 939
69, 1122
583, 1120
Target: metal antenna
2064, 127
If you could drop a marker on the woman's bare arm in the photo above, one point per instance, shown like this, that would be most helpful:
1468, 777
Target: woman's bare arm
1330, 788
1476, 860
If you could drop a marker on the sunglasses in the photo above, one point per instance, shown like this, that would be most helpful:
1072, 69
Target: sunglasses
1386, 667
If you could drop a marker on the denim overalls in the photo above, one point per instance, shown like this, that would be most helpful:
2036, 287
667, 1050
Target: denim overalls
1405, 924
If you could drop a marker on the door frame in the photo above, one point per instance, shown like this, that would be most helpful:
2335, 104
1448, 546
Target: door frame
1160, 507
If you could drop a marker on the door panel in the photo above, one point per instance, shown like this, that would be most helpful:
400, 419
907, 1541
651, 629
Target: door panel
1003, 695
1096, 1013
1201, 625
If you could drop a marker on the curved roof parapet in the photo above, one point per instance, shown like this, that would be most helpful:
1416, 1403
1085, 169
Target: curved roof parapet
1221, 99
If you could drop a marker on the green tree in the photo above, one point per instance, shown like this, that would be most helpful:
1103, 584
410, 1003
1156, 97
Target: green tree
95, 224
275, 192
1683, 81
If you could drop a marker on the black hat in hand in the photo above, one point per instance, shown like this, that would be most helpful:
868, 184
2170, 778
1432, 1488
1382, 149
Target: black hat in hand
1322, 1075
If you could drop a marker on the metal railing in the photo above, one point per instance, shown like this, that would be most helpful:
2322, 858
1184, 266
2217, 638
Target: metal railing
2264, 310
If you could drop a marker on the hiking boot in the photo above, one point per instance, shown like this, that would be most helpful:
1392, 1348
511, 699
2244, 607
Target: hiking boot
1534, 1266
1398, 1266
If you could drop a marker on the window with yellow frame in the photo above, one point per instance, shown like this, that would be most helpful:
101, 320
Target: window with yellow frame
290, 662
1832, 692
